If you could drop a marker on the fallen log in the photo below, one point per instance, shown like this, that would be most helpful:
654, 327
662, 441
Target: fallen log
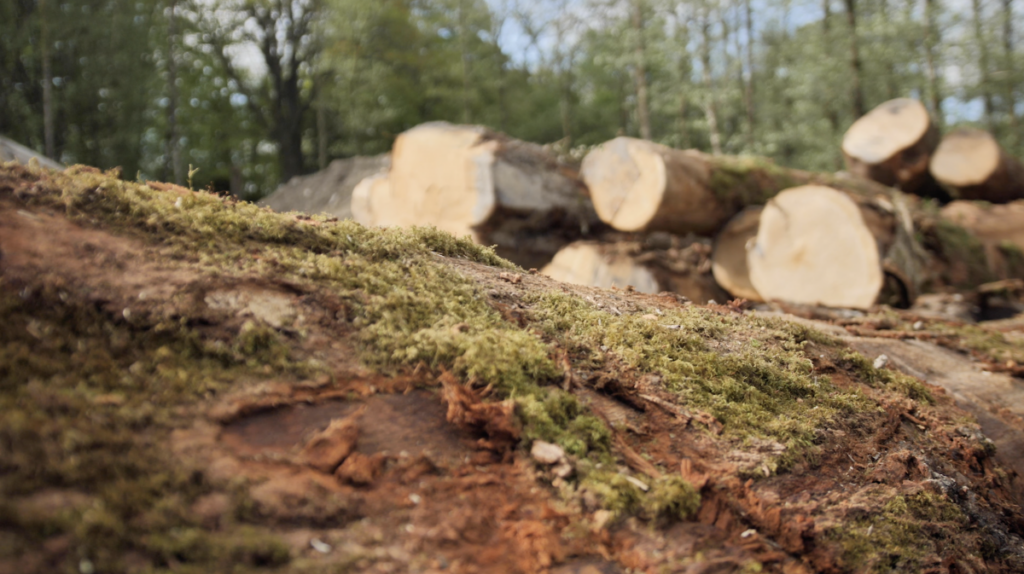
817, 245
998, 228
328, 190
640, 186
892, 144
970, 164
468, 180
729, 258
623, 263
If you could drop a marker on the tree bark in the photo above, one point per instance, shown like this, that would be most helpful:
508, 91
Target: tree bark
892, 145
970, 164
468, 180
1000, 230
621, 263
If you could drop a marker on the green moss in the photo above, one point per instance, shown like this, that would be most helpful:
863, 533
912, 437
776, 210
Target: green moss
616, 493
987, 342
89, 401
672, 497
559, 418
707, 361
748, 180
1014, 258
901, 534
955, 245
890, 379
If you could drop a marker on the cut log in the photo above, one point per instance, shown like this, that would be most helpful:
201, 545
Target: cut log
729, 259
892, 145
998, 228
819, 246
468, 180
328, 190
640, 186
623, 263
970, 164
371, 203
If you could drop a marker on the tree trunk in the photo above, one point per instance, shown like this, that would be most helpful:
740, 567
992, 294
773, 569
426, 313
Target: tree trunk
640, 71
1011, 76
892, 145
819, 246
172, 160
710, 104
49, 143
621, 263
468, 180
729, 259
931, 39
970, 164
641, 186
748, 89
856, 90
979, 39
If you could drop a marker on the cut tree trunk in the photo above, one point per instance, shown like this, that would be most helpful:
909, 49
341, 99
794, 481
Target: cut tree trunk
640, 186
892, 145
621, 263
970, 164
729, 259
468, 180
817, 245
999, 228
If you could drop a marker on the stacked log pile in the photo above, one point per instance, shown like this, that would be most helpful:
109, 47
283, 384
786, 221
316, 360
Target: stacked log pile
468, 180
641, 215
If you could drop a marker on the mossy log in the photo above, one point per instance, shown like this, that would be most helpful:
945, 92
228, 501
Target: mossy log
970, 164
641, 186
892, 144
665, 264
164, 418
468, 180
820, 246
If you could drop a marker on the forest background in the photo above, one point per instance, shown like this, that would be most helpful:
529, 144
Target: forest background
253, 92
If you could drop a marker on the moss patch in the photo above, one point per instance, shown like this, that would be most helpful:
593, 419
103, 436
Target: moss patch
896, 539
750, 373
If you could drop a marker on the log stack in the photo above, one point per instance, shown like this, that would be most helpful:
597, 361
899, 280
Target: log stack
892, 144
970, 164
660, 262
843, 240
468, 180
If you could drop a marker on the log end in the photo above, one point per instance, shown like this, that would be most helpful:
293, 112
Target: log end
729, 259
586, 263
886, 131
966, 157
814, 247
626, 178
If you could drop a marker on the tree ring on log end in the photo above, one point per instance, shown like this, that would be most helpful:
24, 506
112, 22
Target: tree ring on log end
729, 259
887, 130
965, 157
814, 247
627, 181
